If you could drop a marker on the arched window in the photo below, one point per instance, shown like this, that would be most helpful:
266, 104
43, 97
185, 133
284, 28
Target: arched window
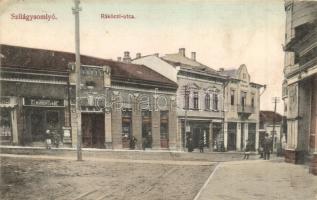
195, 100
215, 101
207, 101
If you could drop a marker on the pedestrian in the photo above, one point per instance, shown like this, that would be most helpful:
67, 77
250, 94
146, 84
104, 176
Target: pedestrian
201, 145
261, 151
144, 143
190, 144
267, 145
132, 143
48, 140
247, 150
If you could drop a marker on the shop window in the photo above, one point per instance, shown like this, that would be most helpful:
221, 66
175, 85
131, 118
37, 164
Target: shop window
52, 119
146, 129
5, 124
127, 124
126, 128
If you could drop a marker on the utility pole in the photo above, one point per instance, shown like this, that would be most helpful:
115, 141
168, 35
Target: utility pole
275, 101
76, 10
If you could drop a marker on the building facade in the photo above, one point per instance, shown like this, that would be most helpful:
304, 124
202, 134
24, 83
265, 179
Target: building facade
199, 98
300, 84
117, 101
242, 108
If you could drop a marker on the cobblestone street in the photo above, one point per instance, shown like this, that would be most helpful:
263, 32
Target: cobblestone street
40, 177
115, 175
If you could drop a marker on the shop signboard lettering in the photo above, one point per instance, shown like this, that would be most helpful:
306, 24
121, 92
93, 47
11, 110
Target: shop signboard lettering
43, 102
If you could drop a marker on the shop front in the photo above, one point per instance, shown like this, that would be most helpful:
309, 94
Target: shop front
8, 121
43, 118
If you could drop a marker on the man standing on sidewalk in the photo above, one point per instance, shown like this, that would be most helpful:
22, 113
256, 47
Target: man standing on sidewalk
267, 147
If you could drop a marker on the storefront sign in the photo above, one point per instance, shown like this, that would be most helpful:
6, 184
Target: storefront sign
43, 102
7, 101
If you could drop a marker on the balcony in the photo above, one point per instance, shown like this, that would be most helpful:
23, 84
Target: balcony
244, 111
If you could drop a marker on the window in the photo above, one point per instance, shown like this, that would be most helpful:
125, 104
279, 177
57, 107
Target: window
127, 123
195, 100
243, 98
252, 102
232, 97
186, 99
52, 119
215, 101
244, 76
207, 101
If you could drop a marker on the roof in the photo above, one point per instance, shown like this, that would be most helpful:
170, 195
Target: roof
51, 60
187, 63
233, 73
267, 117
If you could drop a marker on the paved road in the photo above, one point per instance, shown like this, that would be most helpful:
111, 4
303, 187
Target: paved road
259, 179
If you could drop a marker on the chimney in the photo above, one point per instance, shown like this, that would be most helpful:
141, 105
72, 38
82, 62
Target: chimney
182, 51
138, 55
193, 56
126, 57
119, 59
221, 69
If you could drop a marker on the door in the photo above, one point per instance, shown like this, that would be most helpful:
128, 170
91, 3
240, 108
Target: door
251, 135
232, 135
242, 137
93, 130
37, 129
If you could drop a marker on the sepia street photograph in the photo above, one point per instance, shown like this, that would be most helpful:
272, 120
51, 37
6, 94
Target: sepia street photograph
158, 100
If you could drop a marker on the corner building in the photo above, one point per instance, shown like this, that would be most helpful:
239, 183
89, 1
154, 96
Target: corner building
300, 83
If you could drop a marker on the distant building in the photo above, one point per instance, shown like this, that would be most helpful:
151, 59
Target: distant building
268, 122
300, 84
242, 108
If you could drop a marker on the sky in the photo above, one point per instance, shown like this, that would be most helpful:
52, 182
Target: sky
223, 33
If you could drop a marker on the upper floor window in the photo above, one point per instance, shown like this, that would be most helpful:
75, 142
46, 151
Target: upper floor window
232, 97
207, 101
252, 101
187, 92
195, 100
244, 76
243, 98
215, 101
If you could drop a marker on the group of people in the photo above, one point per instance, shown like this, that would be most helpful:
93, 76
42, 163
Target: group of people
190, 145
52, 138
264, 149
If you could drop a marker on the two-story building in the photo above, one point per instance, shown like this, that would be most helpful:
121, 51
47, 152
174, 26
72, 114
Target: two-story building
300, 84
199, 97
241, 107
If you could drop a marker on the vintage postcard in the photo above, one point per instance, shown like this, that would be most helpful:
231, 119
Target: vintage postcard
157, 99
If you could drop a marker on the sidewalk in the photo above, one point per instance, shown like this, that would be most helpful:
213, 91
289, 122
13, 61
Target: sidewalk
259, 179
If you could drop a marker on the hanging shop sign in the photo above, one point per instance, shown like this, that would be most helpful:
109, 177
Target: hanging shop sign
39, 102
7, 101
